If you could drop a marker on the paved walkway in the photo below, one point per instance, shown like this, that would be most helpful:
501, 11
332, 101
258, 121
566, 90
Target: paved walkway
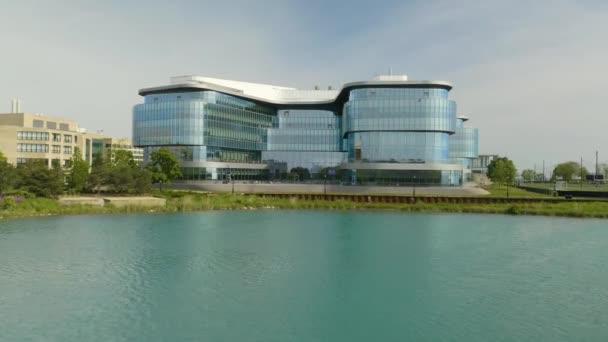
468, 189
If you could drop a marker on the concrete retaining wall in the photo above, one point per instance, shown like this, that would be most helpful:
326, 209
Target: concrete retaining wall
94, 201
135, 201
115, 201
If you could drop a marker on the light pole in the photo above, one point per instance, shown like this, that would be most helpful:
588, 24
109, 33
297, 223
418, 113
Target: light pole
414, 187
581, 173
325, 186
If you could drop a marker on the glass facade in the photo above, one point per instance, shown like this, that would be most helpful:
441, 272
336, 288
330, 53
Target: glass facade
464, 147
203, 126
399, 124
309, 139
221, 136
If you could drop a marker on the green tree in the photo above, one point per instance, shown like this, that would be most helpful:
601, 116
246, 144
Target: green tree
100, 171
124, 157
35, 176
163, 167
125, 176
603, 169
566, 171
528, 175
7, 174
79, 172
502, 171
300, 173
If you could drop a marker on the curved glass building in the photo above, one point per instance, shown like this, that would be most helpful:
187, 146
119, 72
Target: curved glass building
388, 130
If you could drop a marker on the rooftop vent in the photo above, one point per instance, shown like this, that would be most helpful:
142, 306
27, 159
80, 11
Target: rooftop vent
15, 106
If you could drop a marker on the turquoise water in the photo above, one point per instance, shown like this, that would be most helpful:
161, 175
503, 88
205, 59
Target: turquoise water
303, 276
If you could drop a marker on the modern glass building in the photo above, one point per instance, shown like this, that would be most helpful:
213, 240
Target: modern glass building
388, 130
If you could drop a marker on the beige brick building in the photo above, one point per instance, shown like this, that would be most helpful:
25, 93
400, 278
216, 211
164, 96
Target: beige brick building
25, 136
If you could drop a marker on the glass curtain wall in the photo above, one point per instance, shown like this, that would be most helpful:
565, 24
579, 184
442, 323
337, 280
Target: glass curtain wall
203, 126
399, 125
309, 139
464, 147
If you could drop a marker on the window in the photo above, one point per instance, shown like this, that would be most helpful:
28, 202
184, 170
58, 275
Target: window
38, 124
51, 125
67, 149
56, 149
67, 138
76, 139
44, 136
34, 148
64, 127
56, 137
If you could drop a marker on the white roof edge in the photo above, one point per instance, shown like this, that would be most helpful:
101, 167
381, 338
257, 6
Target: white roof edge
278, 95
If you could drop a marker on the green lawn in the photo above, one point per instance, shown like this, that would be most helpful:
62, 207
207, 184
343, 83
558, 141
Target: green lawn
501, 191
571, 186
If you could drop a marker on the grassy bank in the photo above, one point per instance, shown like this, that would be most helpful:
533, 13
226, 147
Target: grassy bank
191, 201
496, 190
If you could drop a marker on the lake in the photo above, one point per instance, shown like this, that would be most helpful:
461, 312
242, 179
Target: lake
304, 276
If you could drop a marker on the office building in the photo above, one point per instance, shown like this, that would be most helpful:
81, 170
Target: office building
25, 136
388, 130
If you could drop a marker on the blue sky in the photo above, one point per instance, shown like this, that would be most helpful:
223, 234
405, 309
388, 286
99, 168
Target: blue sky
530, 75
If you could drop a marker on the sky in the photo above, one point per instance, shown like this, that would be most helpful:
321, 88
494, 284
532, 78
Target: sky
530, 75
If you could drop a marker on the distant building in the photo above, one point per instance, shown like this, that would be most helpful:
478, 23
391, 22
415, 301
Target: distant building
111, 145
480, 164
26, 136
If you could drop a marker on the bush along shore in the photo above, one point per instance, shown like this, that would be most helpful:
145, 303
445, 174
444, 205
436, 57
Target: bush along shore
182, 201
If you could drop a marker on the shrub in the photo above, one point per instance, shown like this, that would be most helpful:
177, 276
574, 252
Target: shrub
8, 202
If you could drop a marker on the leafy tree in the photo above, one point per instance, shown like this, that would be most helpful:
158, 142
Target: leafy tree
56, 184
528, 175
603, 170
163, 167
122, 175
34, 176
566, 171
141, 181
7, 174
302, 173
502, 171
79, 172
100, 171
124, 157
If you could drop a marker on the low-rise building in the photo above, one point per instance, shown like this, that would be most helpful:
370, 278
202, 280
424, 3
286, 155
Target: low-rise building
111, 145
26, 136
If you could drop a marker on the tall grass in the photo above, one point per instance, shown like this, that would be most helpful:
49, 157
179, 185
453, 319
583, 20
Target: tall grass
192, 201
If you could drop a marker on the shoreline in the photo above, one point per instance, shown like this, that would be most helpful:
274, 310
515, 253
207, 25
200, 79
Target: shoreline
197, 202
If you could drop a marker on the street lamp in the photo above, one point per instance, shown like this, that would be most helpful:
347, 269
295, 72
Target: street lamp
414, 187
325, 185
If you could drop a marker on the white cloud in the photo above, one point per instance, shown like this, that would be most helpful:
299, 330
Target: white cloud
529, 75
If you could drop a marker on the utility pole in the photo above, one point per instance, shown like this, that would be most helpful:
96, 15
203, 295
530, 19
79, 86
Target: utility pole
581, 173
543, 171
597, 168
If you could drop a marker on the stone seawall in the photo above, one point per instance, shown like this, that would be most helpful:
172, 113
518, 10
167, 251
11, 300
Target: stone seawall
114, 201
